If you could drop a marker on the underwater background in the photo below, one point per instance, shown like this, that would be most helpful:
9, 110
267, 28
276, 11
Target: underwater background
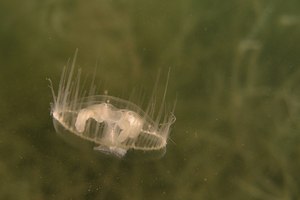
235, 72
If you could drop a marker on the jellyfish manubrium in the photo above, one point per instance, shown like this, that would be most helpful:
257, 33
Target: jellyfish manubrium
114, 125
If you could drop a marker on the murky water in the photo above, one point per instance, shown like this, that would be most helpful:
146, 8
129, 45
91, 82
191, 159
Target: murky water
235, 73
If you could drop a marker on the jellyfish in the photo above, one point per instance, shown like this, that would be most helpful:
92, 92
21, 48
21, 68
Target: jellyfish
113, 124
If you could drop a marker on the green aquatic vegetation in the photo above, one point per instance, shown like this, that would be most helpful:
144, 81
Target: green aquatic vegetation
235, 69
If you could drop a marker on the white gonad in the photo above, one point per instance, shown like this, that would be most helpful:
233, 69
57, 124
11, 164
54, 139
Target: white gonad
113, 124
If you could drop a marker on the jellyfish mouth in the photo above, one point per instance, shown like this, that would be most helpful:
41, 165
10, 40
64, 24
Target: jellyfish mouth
111, 150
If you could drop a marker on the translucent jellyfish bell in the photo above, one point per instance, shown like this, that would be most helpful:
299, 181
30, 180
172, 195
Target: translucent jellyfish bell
114, 125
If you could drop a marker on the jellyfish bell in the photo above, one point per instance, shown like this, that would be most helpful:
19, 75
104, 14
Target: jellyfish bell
112, 125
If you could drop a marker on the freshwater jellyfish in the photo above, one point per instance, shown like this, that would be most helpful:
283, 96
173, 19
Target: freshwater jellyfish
113, 124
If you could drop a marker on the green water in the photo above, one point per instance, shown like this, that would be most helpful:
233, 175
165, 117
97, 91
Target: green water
235, 69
